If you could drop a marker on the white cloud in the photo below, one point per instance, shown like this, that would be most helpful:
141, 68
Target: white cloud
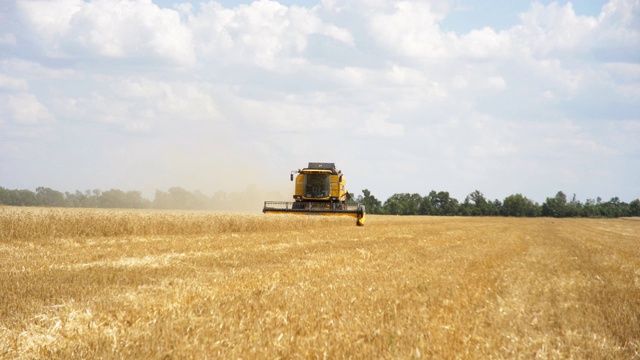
378, 126
411, 29
122, 29
550, 28
554, 30
49, 20
624, 71
142, 105
24, 109
27, 70
8, 39
262, 33
620, 22
12, 83
484, 44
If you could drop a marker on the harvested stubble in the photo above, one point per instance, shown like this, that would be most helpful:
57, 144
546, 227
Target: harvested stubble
116, 284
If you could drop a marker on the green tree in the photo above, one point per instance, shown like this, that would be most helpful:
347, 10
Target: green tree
443, 203
426, 207
179, 198
134, 200
70, 200
371, 204
199, 200
519, 206
613, 208
91, 198
590, 209
5, 196
496, 207
402, 204
49, 197
112, 199
17, 197
475, 204
555, 206
634, 208
574, 208
74, 199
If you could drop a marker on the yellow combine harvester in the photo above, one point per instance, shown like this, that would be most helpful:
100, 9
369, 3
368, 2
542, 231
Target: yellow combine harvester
319, 189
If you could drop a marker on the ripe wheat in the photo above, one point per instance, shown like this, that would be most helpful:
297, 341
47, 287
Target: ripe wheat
143, 284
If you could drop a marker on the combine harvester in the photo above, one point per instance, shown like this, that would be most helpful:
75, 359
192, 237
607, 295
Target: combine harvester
319, 190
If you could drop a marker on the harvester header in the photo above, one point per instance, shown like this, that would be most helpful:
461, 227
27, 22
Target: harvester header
318, 189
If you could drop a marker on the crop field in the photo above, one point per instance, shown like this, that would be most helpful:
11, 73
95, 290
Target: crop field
174, 285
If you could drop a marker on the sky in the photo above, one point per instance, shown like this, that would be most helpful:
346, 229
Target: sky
503, 97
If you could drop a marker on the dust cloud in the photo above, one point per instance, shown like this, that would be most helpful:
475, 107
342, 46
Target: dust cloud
231, 182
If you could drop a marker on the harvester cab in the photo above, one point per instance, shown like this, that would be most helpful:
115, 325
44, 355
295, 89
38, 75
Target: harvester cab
318, 189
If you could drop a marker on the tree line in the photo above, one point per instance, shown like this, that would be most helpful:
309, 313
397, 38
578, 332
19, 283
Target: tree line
476, 204
435, 203
175, 198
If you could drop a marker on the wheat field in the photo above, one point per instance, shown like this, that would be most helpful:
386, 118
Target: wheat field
115, 284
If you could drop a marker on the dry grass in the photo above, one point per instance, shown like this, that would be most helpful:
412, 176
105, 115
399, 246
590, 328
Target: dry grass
116, 284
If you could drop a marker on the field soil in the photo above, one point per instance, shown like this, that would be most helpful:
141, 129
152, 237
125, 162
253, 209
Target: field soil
163, 285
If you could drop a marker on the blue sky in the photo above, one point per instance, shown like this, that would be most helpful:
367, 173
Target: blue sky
501, 15
505, 97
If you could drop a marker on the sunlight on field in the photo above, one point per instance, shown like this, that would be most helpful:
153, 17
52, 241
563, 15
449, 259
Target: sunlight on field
145, 284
